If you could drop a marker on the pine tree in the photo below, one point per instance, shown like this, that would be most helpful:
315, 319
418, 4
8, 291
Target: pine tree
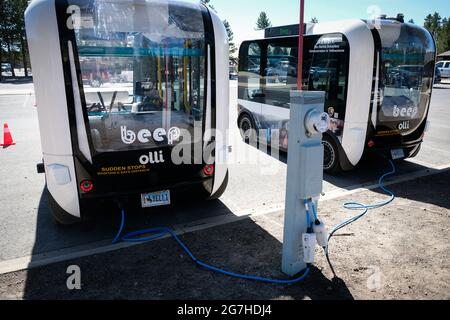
433, 23
263, 22
7, 32
12, 33
231, 43
208, 3
19, 23
314, 20
440, 28
444, 36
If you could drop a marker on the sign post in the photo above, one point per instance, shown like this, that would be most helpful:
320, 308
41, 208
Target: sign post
301, 33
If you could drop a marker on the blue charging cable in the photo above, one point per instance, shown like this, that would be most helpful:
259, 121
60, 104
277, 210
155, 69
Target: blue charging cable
365, 208
157, 233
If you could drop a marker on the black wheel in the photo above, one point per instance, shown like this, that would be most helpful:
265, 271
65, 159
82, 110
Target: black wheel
221, 190
60, 216
247, 128
331, 162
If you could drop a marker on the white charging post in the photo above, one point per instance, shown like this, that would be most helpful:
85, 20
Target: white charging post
304, 174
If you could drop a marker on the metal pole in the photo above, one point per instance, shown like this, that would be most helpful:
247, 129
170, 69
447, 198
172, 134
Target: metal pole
300, 45
304, 173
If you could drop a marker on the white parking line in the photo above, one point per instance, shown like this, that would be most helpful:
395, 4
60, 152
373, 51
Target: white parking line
436, 149
34, 261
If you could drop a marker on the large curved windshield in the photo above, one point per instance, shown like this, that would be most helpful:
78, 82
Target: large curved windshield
143, 71
407, 68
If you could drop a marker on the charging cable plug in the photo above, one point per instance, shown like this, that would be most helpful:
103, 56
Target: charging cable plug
307, 207
321, 233
309, 247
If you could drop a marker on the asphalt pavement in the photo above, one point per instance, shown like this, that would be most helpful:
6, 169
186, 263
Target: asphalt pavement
29, 237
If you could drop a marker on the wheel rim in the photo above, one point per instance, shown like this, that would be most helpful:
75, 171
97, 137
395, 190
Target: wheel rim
329, 156
246, 128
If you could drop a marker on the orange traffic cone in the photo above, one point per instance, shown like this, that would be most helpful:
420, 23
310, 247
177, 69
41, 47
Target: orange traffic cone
7, 137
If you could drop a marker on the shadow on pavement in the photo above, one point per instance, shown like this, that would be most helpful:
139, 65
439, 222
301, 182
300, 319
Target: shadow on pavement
103, 227
161, 270
431, 191
367, 172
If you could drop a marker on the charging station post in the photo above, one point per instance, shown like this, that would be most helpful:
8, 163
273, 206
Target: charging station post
304, 173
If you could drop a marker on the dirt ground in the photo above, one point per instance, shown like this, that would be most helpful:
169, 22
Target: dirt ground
401, 251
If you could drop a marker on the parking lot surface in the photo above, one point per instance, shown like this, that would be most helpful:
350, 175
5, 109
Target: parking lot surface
29, 237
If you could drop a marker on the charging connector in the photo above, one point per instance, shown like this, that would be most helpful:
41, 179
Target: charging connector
309, 247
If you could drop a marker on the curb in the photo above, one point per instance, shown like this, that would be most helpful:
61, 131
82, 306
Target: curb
17, 93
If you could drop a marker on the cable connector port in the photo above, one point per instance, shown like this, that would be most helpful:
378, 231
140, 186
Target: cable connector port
309, 245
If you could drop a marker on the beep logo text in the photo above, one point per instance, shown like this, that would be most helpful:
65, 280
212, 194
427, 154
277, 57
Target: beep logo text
144, 135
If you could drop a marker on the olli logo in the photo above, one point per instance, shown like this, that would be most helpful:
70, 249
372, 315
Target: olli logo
405, 125
152, 158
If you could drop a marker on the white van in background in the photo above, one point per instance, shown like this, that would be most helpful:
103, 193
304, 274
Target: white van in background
444, 68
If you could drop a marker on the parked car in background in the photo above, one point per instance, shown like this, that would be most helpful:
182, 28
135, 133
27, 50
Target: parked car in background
437, 76
444, 68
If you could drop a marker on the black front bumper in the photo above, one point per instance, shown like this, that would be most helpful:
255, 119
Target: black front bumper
410, 150
94, 204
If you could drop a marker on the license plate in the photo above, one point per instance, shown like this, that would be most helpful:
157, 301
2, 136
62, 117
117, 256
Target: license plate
397, 154
155, 199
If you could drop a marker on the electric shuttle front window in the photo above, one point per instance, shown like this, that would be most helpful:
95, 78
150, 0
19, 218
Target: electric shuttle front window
407, 68
143, 73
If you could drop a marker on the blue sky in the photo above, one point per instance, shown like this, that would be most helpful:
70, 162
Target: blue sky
242, 14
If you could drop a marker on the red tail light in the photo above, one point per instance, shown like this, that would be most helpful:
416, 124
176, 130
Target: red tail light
371, 144
208, 170
86, 186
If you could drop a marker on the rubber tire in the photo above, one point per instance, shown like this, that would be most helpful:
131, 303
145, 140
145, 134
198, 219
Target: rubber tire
59, 215
221, 190
246, 118
330, 146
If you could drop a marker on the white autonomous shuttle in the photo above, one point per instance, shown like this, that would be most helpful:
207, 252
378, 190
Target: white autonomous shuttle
377, 75
129, 97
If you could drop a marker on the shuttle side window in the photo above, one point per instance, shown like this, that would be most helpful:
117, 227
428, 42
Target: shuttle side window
253, 61
250, 72
328, 62
280, 73
281, 66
